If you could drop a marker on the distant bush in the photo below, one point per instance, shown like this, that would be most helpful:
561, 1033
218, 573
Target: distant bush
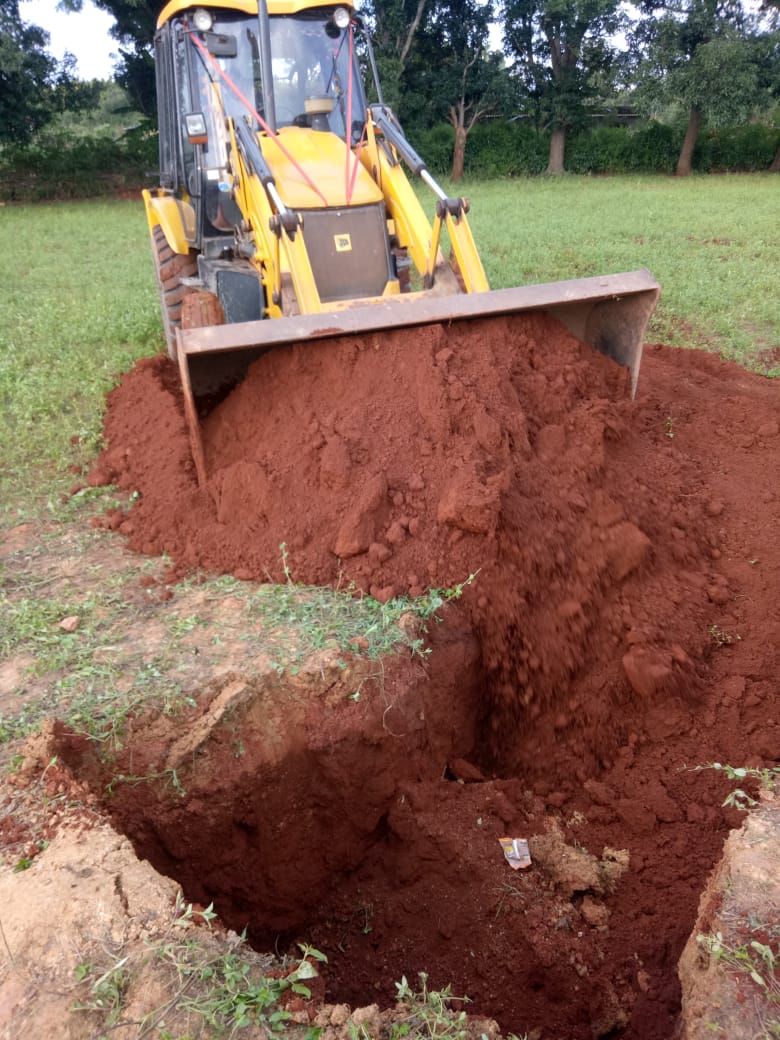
496, 148
604, 148
63, 164
504, 149
501, 149
59, 165
654, 147
649, 148
737, 149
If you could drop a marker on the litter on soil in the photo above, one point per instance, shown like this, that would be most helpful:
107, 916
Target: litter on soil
621, 628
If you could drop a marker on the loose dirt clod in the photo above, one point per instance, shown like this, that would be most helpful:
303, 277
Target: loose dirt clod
627, 622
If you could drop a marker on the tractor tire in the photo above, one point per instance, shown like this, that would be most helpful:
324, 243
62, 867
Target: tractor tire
171, 269
200, 308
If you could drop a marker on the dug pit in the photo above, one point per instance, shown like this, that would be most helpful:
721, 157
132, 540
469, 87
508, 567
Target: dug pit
619, 628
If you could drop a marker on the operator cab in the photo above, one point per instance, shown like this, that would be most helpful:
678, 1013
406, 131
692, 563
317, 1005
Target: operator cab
209, 62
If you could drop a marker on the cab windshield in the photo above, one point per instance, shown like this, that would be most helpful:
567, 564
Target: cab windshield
314, 72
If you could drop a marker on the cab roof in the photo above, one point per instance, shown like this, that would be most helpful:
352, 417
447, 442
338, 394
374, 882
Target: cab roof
275, 7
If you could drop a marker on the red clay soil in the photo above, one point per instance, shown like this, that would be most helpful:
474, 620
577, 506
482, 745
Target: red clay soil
626, 609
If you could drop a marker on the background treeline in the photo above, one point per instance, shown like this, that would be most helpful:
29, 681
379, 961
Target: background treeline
105, 149
502, 149
59, 165
514, 88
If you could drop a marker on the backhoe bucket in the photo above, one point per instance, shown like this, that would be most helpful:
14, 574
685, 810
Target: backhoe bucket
607, 313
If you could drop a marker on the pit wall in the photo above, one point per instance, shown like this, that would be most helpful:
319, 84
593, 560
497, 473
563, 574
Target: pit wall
740, 906
280, 786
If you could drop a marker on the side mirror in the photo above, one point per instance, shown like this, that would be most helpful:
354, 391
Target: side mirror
195, 128
221, 45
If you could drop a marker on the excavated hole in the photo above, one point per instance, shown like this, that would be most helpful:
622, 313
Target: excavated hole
361, 828
626, 608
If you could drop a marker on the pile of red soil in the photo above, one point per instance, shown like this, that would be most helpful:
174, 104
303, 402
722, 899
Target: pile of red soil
416, 458
625, 600
384, 461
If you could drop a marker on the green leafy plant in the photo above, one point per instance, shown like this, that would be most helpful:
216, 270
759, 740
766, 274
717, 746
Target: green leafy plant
739, 798
755, 959
226, 991
430, 1012
219, 988
185, 912
106, 992
358, 1032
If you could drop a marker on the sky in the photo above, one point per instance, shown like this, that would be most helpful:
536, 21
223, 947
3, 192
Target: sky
85, 35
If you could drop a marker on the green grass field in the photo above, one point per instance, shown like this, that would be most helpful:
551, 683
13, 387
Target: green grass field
79, 303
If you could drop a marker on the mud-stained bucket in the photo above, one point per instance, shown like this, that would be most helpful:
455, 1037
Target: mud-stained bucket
608, 313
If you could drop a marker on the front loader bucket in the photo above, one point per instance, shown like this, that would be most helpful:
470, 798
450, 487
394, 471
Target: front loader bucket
608, 313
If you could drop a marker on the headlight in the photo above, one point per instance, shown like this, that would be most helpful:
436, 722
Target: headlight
341, 18
202, 19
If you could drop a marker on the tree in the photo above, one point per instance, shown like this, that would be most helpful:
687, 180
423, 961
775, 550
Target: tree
769, 60
563, 59
453, 75
34, 86
394, 27
699, 55
134, 26
483, 88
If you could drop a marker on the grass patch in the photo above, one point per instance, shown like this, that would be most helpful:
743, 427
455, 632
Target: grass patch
123, 649
757, 960
303, 619
79, 305
710, 242
93, 675
216, 988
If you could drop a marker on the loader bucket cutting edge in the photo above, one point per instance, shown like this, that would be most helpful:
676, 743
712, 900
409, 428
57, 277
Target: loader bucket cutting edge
608, 313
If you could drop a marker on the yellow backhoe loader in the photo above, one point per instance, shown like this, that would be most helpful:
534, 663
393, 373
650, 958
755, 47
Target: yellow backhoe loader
284, 212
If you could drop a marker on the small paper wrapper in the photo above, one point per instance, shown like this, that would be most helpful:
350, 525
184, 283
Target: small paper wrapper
516, 852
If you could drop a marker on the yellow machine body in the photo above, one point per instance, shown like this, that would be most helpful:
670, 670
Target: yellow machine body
284, 196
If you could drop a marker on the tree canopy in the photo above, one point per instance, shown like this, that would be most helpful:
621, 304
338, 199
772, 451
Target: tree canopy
34, 86
692, 62
452, 75
133, 29
564, 60
700, 56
